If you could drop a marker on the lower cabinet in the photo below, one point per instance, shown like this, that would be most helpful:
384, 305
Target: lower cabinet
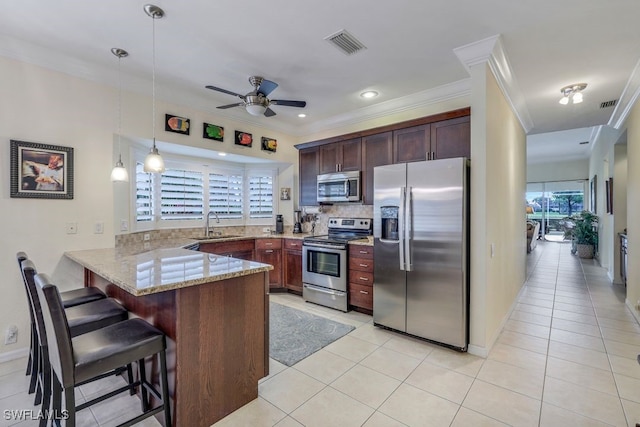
361, 277
242, 249
269, 251
292, 265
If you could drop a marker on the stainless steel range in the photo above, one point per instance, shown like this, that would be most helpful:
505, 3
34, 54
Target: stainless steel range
325, 267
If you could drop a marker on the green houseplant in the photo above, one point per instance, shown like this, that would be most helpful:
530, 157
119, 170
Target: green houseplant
585, 233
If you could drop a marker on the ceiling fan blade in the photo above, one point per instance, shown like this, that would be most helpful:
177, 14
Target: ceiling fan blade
224, 107
269, 112
225, 91
266, 87
288, 103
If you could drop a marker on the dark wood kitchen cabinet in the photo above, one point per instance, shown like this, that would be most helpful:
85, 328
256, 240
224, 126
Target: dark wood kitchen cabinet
412, 144
242, 249
269, 251
292, 265
361, 277
377, 150
341, 156
451, 138
308, 172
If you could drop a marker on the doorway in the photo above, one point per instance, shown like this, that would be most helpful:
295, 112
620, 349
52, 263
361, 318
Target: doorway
552, 202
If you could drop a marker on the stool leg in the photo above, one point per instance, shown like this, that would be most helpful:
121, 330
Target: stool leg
143, 390
34, 362
57, 399
31, 348
46, 386
165, 389
132, 389
70, 406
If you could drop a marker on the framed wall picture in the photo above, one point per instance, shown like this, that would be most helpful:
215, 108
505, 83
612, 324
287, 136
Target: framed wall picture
214, 132
41, 171
269, 144
243, 138
609, 192
176, 124
285, 193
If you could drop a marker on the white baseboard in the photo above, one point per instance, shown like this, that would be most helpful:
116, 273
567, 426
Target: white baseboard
633, 309
13, 355
478, 351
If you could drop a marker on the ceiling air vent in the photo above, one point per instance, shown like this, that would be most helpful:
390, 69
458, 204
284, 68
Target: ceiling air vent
608, 104
344, 41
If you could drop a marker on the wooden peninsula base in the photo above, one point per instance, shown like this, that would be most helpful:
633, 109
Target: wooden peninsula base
218, 342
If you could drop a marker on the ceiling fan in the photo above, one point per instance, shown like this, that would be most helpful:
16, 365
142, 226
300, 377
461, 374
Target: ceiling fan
256, 102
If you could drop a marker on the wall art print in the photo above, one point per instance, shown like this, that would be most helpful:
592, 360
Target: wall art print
214, 132
269, 144
41, 171
243, 138
176, 124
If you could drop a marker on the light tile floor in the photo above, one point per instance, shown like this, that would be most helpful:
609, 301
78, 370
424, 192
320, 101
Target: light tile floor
566, 356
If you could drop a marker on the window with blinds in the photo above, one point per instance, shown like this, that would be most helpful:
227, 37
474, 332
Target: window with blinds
225, 194
181, 195
144, 194
260, 195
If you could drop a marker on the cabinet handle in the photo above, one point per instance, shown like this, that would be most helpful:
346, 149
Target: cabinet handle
433, 155
364, 252
364, 265
268, 244
428, 155
364, 292
269, 251
364, 279
294, 244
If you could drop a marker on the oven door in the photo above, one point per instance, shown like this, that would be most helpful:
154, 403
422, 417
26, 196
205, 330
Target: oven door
324, 266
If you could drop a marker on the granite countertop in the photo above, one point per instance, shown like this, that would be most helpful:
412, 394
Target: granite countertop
162, 269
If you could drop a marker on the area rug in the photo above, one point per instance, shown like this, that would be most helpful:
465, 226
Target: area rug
295, 334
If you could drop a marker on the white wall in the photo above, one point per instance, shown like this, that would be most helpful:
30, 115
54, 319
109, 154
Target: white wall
38, 105
633, 206
558, 171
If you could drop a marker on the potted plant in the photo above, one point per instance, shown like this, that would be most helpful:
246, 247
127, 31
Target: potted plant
585, 233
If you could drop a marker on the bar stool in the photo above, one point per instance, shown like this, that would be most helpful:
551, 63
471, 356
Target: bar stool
74, 360
69, 299
83, 318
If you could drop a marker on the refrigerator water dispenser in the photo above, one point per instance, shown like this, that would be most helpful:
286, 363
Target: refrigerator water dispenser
389, 217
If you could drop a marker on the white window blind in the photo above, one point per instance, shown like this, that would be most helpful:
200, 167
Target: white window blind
225, 194
260, 195
181, 195
144, 194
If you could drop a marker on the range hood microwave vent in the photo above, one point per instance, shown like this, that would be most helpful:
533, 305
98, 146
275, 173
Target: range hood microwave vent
345, 42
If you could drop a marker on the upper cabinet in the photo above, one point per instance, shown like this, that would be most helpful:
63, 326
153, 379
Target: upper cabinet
341, 156
377, 150
451, 138
308, 173
412, 144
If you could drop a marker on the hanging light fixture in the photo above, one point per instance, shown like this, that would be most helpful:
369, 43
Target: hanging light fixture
574, 92
119, 172
153, 162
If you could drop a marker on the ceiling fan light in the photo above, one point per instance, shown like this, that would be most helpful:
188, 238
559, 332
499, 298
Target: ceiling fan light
564, 100
577, 98
256, 109
153, 163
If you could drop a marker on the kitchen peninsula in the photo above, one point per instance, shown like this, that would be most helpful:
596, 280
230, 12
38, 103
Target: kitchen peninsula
214, 310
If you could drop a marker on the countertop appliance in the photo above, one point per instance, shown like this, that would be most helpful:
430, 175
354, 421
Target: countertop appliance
297, 225
421, 259
339, 187
325, 265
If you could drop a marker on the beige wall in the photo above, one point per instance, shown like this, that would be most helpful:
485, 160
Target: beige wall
558, 171
39, 105
498, 239
619, 205
633, 205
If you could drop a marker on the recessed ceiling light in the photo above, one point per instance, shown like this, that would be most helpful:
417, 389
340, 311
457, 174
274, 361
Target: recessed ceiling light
369, 94
302, 115
222, 154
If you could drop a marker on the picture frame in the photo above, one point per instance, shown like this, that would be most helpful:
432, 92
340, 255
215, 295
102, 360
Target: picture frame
211, 131
609, 193
243, 138
285, 193
177, 124
40, 171
269, 144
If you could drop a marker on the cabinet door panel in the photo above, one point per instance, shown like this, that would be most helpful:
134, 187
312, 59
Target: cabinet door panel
329, 157
451, 138
293, 270
273, 257
411, 144
309, 164
377, 150
351, 155
361, 296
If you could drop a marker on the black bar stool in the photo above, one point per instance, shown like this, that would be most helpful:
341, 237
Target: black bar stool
74, 360
83, 318
69, 299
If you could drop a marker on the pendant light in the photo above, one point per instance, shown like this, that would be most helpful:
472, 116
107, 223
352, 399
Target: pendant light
153, 162
119, 172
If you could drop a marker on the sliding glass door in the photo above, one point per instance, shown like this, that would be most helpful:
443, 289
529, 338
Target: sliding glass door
553, 201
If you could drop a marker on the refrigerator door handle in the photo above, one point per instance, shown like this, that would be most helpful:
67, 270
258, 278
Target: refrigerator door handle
403, 196
408, 230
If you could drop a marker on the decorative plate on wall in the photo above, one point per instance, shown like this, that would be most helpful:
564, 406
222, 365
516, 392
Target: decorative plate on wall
243, 138
176, 124
269, 144
214, 132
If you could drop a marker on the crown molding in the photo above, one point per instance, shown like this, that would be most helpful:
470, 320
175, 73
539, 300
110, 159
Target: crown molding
627, 100
491, 51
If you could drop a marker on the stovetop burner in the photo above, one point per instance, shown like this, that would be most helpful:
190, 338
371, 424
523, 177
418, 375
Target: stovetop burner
344, 230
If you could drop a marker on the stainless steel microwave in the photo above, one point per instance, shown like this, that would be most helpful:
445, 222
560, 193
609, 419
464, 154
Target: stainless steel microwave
339, 187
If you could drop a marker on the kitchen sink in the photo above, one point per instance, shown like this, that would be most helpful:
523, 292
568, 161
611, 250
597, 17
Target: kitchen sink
228, 236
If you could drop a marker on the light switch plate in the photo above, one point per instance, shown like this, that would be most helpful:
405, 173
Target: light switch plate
98, 227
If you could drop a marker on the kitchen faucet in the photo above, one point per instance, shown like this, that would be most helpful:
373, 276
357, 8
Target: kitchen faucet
207, 232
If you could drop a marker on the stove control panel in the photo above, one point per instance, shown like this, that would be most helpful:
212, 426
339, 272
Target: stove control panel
351, 223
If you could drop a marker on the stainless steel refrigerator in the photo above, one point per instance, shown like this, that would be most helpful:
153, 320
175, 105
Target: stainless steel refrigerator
420, 230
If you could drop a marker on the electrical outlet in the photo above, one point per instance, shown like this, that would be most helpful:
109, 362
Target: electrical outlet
124, 225
98, 227
147, 237
11, 336
71, 227
266, 230
146, 245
